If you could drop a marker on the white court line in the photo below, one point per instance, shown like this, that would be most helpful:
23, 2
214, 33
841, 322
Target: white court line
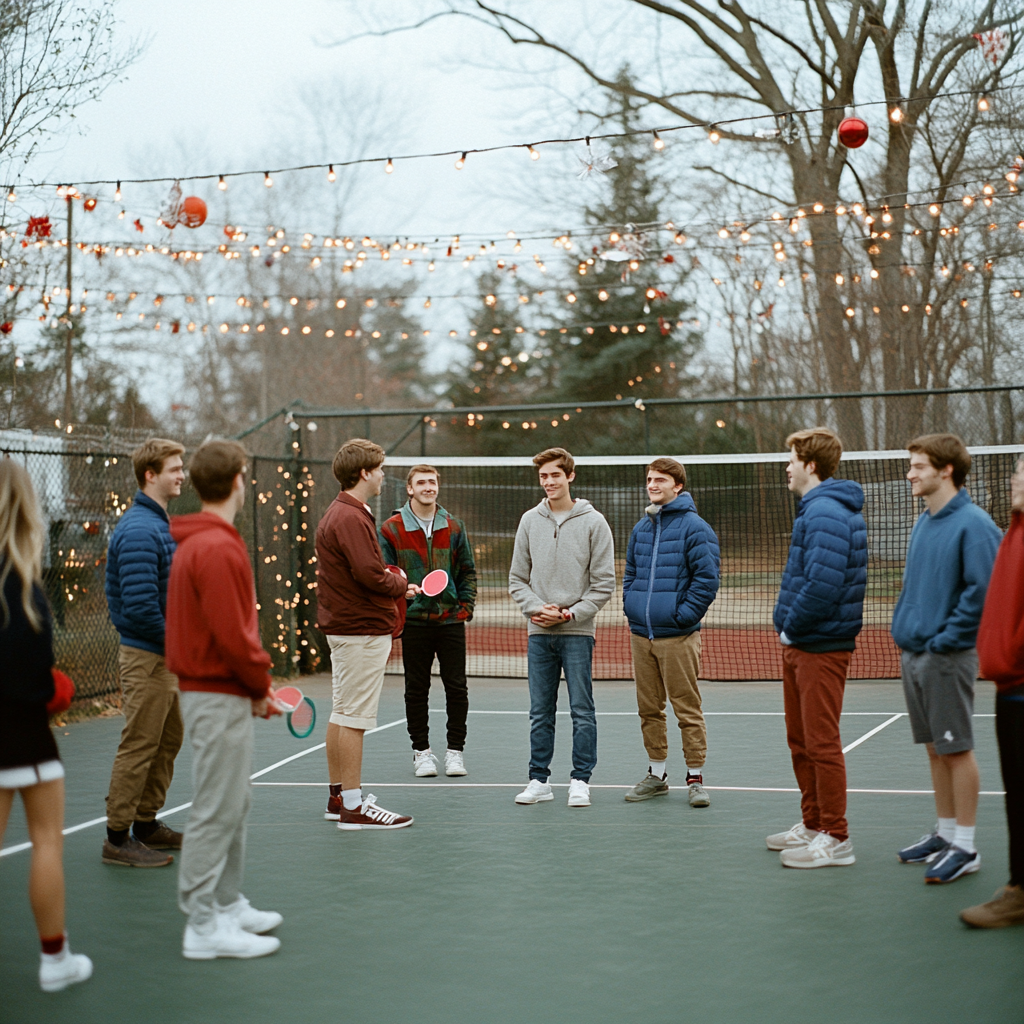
565, 785
869, 734
8, 850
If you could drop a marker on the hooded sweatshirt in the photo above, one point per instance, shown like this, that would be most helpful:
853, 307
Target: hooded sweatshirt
949, 561
569, 563
213, 636
821, 599
1001, 634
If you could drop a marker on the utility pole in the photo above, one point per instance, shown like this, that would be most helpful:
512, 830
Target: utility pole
71, 327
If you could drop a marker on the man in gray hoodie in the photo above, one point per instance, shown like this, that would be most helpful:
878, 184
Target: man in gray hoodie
563, 573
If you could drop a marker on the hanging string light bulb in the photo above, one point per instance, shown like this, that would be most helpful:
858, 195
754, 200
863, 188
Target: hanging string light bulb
389, 167
714, 135
461, 162
222, 184
659, 142
331, 176
534, 155
267, 179
117, 193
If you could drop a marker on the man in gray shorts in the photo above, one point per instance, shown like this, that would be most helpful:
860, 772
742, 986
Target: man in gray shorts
949, 560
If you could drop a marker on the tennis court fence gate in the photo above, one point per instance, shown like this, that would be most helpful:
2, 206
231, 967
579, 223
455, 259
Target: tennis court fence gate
744, 498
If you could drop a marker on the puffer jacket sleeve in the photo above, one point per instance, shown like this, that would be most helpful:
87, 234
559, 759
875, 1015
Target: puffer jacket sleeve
827, 539
703, 560
629, 575
139, 577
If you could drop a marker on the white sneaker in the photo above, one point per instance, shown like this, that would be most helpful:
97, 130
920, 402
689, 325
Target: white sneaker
248, 918
226, 939
579, 793
454, 764
58, 970
535, 793
424, 764
823, 851
795, 838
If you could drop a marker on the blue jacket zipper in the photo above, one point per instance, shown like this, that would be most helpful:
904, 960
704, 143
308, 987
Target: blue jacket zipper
650, 578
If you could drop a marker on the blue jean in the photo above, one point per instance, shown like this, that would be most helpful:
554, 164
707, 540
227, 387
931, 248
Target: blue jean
547, 657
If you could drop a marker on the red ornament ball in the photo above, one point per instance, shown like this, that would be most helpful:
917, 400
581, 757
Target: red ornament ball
853, 132
193, 212
90, 203
6, 327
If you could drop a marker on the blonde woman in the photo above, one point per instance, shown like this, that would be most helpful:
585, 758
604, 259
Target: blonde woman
29, 762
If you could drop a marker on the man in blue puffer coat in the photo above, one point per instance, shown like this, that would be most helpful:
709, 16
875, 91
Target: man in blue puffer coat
818, 615
672, 572
138, 567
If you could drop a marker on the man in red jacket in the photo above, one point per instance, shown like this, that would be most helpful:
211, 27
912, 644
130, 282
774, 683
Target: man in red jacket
213, 647
356, 610
1001, 659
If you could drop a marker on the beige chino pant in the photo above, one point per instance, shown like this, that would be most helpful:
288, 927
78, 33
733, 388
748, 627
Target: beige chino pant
669, 666
150, 740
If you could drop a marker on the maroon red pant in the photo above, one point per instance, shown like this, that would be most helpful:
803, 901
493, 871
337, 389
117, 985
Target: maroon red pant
812, 691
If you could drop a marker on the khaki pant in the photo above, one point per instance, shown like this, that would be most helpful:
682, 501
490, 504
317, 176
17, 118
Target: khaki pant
213, 853
150, 741
669, 665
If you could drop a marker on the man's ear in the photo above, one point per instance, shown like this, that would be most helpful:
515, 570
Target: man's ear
812, 468
571, 476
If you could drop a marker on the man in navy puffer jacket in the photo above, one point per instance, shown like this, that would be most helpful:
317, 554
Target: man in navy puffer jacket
138, 567
818, 616
672, 572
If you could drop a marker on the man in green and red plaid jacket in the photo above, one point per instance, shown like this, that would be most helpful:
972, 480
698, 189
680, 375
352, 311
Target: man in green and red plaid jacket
420, 538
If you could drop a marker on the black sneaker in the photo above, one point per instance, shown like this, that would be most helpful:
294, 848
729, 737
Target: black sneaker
925, 850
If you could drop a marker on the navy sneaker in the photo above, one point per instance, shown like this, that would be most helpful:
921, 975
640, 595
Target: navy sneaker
925, 850
948, 867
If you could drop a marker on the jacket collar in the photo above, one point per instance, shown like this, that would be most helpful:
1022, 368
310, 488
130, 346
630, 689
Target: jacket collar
682, 502
154, 506
410, 522
346, 499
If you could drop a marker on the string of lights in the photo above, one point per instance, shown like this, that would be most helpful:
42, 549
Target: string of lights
898, 110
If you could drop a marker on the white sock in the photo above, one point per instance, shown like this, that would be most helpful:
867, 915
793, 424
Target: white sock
964, 838
351, 799
946, 828
696, 771
659, 769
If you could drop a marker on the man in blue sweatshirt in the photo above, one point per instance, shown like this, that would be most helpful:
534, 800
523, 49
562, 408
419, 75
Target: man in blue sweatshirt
818, 616
138, 567
949, 561
672, 576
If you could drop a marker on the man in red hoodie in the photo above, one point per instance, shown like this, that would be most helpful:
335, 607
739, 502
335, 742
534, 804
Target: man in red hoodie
1001, 659
213, 647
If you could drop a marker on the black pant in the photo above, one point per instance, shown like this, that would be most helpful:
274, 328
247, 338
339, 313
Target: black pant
419, 645
1010, 733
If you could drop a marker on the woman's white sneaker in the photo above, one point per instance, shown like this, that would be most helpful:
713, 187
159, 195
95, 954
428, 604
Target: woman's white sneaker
535, 793
824, 851
424, 764
58, 970
454, 763
579, 793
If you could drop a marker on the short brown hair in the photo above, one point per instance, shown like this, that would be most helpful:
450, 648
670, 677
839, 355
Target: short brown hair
353, 457
557, 455
820, 446
670, 468
214, 467
422, 468
152, 454
944, 450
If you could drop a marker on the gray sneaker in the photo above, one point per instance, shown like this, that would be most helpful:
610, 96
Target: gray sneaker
699, 795
647, 788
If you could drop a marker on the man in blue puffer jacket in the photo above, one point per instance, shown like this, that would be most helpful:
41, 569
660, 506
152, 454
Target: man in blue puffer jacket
818, 616
672, 573
138, 567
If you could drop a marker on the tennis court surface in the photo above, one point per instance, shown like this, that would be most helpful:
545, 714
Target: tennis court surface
485, 911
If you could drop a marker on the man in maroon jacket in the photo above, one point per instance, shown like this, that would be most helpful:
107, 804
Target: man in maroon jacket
356, 610
1001, 659
213, 647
